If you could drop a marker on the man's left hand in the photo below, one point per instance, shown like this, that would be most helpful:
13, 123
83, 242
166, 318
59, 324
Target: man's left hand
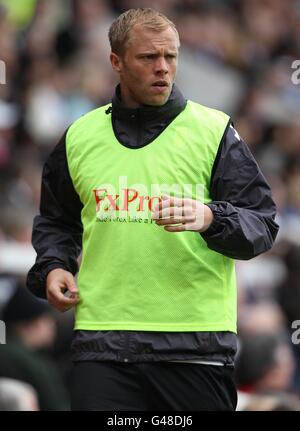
181, 214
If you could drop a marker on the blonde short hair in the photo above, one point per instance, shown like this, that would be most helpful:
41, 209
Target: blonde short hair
120, 29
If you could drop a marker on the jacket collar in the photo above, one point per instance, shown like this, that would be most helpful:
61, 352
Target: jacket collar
175, 104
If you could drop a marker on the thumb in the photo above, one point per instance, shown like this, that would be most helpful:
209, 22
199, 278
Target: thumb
71, 285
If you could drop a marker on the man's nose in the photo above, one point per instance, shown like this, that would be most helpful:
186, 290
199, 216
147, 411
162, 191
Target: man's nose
161, 65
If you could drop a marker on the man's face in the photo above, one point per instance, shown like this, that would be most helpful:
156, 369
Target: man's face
147, 68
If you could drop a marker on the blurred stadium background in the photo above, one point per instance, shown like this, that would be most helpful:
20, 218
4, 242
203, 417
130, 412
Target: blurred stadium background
237, 56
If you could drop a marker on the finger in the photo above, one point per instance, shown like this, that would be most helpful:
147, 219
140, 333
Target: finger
66, 307
167, 200
178, 228
175, 220
182, 213
71, 285
62, 304
167, 212
61, 288
69, 293
58, 299
169, 221
72, 290
191, 226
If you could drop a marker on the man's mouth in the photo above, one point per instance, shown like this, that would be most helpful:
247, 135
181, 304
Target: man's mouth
160, 84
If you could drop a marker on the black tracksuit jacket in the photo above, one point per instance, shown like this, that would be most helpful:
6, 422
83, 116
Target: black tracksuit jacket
243, 227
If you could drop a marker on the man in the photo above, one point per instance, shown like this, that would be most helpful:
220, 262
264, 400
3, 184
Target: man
155, 324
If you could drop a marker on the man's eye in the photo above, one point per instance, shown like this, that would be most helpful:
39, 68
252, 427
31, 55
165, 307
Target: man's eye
147, 57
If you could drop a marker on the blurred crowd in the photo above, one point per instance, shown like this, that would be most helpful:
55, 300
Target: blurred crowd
235, 55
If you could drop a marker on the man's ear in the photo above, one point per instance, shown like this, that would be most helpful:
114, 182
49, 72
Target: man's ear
116, 62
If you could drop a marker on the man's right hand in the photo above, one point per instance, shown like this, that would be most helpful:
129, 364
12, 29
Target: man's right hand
58, 282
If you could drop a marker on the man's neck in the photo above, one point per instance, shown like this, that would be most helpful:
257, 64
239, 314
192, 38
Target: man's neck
135, 127
126, 99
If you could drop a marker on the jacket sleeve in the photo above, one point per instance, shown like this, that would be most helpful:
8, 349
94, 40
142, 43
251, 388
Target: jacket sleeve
244, 212
57, 230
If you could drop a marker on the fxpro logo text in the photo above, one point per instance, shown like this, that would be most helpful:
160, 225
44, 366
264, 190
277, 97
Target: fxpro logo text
136, 201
